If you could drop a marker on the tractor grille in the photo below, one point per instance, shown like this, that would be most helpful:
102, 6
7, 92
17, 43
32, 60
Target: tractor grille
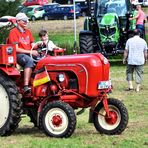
73, 83
107, 31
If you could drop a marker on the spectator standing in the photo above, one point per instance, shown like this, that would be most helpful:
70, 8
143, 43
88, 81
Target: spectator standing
140, 20
135, 55
24, 41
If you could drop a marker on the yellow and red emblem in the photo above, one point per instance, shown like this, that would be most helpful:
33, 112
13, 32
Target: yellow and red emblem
41, 78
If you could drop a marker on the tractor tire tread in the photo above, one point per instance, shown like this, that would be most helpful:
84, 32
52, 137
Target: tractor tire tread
124, 117
67, 108
15, 106
86, 44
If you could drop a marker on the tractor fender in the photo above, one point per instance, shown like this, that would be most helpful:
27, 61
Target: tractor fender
86, 32
10, 71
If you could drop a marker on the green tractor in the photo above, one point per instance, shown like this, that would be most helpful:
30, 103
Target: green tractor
107, 27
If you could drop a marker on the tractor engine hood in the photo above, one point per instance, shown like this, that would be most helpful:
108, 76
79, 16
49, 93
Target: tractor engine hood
108, 29
87, 60
90, 69
109, 19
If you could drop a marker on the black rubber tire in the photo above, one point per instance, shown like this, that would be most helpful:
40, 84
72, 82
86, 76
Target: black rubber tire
122, 118
52, 109
14, 111
86, 44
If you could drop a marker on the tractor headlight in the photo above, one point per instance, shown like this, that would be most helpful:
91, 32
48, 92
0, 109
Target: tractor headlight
61, 77
9, 50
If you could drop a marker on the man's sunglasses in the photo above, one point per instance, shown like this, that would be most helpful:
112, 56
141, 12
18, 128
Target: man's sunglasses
24, 21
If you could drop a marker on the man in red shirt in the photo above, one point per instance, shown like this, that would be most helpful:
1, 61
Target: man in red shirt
24, 41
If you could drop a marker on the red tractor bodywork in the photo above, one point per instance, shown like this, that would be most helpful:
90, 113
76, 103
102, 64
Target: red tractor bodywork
88, 69
84, 71
8, 60
82, 74
70, 82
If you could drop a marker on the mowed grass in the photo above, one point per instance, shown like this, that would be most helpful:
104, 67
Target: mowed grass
85, 135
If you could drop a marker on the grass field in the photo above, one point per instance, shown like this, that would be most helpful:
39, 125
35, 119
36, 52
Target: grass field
85, 135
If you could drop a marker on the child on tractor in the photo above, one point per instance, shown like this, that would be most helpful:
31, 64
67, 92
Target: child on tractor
46, 43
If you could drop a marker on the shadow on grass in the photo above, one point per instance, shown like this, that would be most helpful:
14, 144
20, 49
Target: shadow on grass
29, 130
116, 60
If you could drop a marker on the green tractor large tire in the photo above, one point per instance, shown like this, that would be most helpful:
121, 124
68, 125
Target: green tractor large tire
10, 110
86, 44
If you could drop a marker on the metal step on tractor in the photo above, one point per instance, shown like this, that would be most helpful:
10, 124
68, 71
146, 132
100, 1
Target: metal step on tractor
107, 27
73, 82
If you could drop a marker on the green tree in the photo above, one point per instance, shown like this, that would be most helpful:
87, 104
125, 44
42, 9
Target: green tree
7, 8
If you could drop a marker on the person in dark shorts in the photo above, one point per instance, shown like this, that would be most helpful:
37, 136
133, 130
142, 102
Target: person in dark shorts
135, 55
24, 41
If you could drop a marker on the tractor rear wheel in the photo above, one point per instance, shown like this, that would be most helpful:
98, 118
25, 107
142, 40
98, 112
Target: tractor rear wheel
118, 120
10, 110
58, 119
86, 44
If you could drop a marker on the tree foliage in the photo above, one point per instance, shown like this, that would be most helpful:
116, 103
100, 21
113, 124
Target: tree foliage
9, 7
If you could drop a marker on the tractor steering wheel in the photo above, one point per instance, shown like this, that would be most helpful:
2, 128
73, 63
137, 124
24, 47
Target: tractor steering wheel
41, 50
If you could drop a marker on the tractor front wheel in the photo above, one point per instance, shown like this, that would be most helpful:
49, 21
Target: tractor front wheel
117, 120
58, 119
86, 44
10, 110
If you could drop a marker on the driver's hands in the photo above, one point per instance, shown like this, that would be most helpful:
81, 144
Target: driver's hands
34, 53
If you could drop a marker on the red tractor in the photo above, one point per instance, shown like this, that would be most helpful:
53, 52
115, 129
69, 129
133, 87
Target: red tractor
60, 84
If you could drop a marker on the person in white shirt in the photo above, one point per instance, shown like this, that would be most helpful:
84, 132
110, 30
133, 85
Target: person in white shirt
135, 55
46, 43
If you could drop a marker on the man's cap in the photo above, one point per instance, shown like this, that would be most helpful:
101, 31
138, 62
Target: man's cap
22, 16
